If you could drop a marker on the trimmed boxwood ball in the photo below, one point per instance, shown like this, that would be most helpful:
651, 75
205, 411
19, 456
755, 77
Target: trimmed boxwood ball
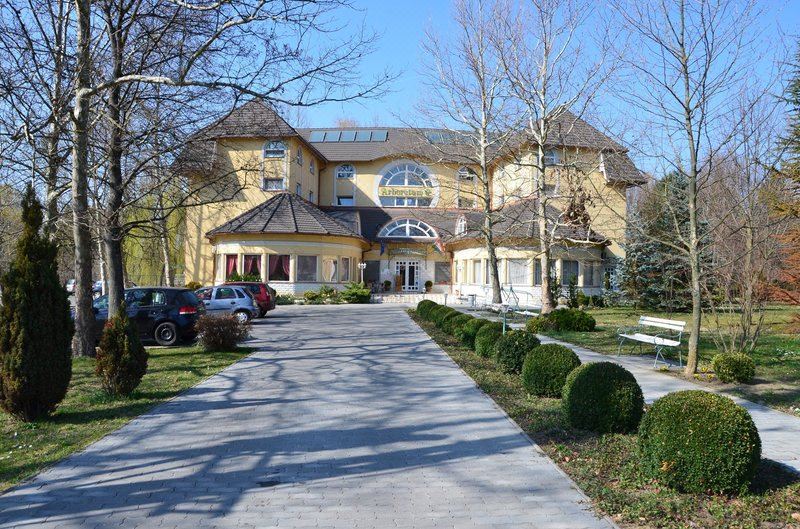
696, 441
486, 338
454, 325
469, 330
424, 307
546, 368
511, 349
562, 320
444, 321
737, 367
602, 397
437, 313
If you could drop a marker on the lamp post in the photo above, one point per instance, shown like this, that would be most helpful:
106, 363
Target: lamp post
361, 266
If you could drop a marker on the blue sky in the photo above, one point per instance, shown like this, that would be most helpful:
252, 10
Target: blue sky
402, 24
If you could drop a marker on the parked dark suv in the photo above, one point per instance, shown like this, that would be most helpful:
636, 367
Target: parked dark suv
162, 314
264, 295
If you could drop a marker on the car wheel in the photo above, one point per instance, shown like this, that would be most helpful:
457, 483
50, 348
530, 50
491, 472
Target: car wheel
166, 334
242, 316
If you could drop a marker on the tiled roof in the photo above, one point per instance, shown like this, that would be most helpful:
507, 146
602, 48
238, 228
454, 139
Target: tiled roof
617, 167
285, 213
253, 119
518, 220
372, 219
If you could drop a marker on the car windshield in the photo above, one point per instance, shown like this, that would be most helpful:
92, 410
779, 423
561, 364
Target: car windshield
101, 303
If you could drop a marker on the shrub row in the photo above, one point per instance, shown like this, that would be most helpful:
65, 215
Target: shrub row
693, 441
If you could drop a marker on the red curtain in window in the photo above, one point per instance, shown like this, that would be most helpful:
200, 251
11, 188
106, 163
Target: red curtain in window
230, 265
279, 267
252, 265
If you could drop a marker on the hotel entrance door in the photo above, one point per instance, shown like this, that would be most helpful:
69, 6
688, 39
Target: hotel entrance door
408, 274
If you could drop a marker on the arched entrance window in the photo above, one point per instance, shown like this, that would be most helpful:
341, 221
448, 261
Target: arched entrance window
407, 229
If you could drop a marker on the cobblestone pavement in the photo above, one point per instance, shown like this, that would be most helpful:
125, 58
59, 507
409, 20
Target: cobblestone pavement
346, 417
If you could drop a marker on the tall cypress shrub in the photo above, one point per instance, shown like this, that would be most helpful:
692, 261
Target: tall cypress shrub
35, 324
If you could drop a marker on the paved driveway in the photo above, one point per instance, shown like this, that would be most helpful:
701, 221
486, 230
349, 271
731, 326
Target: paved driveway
347, 416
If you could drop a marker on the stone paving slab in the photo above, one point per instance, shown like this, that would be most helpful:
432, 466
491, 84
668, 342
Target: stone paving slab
346, 417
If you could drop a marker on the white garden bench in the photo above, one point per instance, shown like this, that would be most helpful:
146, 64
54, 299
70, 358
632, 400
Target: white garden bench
647, 332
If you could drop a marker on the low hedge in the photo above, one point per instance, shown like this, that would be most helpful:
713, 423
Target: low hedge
696, 441
424, 308
444, 321
602, 397
454, 325
486, 337
438, 313
737, 367
512, 348
469, 330
546, 368
562, 320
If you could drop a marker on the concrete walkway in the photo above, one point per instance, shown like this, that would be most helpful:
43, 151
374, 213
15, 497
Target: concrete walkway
347, 416
779, 431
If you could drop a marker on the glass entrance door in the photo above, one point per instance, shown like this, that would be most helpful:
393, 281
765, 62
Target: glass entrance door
407, 273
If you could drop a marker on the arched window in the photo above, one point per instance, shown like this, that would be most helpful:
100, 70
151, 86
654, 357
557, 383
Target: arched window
345, 171
461, 226
274, 149
407, 228
406, 184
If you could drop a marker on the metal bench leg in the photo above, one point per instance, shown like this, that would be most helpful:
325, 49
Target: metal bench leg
659, 353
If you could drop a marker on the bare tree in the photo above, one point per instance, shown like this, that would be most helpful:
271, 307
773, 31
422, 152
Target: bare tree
259, 47
543, 48
688, 62
467, 99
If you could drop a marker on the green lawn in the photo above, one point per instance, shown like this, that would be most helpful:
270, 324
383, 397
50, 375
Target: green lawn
88, 413
606, 467
777, 356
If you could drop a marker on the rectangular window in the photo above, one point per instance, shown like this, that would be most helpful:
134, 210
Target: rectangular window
569, 270
231, 262
591, 273
487, 271
252, 265
298, 190
518, 271
311, 196
311, 166
273, 184
476, 272
330, 267
278, 268
299, 156
307, 268
345, 201
550, 157
344, 273
442, 273
466, 203
537, 272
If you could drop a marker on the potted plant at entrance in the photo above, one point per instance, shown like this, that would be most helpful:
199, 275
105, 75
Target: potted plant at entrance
387, 285
428, 285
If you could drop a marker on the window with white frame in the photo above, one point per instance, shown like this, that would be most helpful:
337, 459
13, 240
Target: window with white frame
344, 270
345, 200
487, 272
311, 166
518, 271
551, 157
274, 149
311, 196
299, 157
537, 272
465, 174
298, 189
345, 171
592, 270
466, 203
307, 268
569, 271
476, 271
273, 184
330, 269
406, 184
407, 228
461, 226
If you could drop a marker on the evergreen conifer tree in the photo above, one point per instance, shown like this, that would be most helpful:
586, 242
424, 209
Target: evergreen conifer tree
35, 324
654, 275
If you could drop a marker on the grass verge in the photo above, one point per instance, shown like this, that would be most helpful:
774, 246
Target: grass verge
777, 355
606, 467
88, 413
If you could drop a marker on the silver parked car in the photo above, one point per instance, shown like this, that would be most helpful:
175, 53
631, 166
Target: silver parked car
226, 299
